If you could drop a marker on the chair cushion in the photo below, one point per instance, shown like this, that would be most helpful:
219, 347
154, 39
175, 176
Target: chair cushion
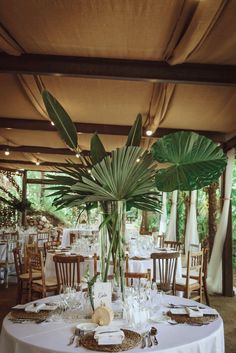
34, 275
49, 282
182, 281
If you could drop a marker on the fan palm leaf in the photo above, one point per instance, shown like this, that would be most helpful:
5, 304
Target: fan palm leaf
194, 161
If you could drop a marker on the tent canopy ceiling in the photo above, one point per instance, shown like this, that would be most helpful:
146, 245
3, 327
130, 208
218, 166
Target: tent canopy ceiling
176, 32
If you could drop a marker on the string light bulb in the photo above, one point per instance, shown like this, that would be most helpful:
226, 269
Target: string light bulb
77, 155
149, 132
52, 123
37, 163
138, 160
7, 152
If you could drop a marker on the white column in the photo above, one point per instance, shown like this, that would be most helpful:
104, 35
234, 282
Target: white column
214, 279
171, 232
163, 221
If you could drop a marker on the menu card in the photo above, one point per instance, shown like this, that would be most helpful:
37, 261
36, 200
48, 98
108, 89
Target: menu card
102, 294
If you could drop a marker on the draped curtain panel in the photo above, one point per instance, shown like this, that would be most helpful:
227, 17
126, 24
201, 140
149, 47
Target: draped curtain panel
163, 221
171, 232
191, 233
214, 279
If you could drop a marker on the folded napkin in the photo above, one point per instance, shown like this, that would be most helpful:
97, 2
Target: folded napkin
35, 307
108, 335
196, 312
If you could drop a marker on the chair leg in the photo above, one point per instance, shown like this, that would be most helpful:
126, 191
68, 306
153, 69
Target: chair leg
205, 292
19, 293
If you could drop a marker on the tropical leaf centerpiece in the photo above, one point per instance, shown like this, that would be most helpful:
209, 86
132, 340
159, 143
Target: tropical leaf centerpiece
130, 175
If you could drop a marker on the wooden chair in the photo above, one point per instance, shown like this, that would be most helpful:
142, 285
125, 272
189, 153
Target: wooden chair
167, 265
50, 245
4, 260
192, 284
67, 270
73, 237
135, 275
173, 244
42, 237
22, 277
158, 240
29, 248
194, 274
96, 258
42, 285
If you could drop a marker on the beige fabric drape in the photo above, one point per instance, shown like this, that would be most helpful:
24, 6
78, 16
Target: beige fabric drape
202, 24
161, 98
7, 43
30, 87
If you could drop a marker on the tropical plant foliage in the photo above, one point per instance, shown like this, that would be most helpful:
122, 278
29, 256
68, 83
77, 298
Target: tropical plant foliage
130, 173
194, 161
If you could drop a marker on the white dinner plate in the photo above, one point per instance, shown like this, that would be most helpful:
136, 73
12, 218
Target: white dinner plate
87, 326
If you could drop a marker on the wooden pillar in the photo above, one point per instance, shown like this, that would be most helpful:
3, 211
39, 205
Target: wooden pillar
212, 210
24, 194
144, 223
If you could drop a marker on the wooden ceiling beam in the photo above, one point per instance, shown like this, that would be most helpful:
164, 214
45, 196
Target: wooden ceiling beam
42, 163
121, 69
40, 149
229, 144
89, 128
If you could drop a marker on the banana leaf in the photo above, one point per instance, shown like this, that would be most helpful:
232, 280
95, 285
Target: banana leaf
135, 134
97, 149
61, 120
194, 161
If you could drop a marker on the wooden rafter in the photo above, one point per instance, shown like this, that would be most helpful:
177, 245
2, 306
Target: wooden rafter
89, 128
30, 163
40, 149
121, 69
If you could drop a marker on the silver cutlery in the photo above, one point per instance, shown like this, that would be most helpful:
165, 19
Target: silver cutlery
153, 333
79, 334
72, 338
149, 339
144, 336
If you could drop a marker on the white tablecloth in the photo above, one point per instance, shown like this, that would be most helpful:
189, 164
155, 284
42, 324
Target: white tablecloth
65, 241
53, 337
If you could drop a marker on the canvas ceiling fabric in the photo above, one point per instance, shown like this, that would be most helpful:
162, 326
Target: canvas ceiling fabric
166, 30
7, 43
109, 28
204, 19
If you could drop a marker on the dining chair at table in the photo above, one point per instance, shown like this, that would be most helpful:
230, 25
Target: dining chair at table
194, 274
50, 245
43, 285
96, 259
67, 270
130, 276
191, 284
4, 260
173, 244
166, 265
22, 277
42, 237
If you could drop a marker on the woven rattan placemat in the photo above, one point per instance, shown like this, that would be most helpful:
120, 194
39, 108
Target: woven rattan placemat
131, 340
23, 315
181, 319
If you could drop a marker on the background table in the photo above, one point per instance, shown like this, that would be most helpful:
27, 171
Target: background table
134, 266
53, 337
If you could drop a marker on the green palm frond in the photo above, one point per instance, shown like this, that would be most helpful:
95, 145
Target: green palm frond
195, 161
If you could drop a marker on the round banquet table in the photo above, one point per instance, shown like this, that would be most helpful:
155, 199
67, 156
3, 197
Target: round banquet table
53, 337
